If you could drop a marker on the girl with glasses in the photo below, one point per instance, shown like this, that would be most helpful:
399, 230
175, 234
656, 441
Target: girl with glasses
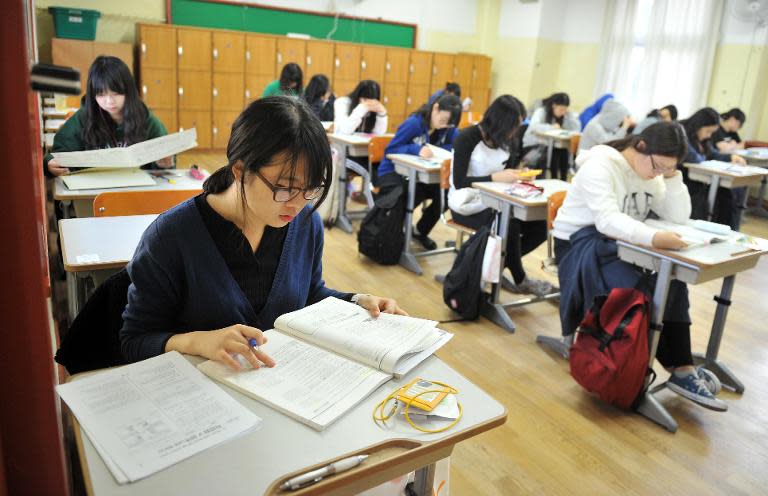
211, 273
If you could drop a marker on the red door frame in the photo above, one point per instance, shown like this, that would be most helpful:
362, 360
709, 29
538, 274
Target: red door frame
32, 448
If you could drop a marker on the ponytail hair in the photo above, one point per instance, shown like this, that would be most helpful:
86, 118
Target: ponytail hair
667, 139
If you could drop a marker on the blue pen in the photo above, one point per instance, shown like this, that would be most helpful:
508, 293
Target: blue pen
253, 344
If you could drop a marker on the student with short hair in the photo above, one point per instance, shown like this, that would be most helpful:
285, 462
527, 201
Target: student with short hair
728, 203
291, 82
319, 97
451, 88
432, 124
618, 185
610, 124
726, 138
553, 114
484, 152
212, 272
112, 115
667, 113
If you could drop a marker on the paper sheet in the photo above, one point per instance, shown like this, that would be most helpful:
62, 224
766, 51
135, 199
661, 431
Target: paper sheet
735, 169
135, 155
115, 178
147, 416
439, 154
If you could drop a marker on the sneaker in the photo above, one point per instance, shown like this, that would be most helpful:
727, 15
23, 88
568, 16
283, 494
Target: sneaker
710, 379
692, 387
427, 242
537, 287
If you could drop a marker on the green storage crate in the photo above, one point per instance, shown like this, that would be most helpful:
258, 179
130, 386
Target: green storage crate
78, 24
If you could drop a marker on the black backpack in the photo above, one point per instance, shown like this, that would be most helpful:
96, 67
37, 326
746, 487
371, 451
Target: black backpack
381, 237
461, 288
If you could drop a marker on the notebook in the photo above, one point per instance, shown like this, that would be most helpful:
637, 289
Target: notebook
330, 356
106, 179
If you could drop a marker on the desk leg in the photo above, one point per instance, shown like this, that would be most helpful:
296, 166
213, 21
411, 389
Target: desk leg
424, 480
649, 406
342, 220
550, 146
407, 259
758, 210
561, 345
714, 183
492, 309
76, 294
727, 378
65, 206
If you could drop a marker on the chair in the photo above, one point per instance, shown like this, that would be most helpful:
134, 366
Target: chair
755, 144
117, 203
574, 149
469, 119
376, 148
445, 186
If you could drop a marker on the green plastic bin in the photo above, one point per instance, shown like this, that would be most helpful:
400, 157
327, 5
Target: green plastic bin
78, 24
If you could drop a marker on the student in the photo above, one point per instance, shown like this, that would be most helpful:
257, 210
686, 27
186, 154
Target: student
590, 112
728, 202
665, 114
211, 272
361, 111
611, 123
433, 124
112, 115
319, 97
726, 139
617, 187
291, 82
482, 153
553, 114
450, 89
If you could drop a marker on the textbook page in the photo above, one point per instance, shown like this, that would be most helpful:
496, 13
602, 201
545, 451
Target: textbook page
438, 153
731, 168
346, 328
307, 383
108, 179
694, 237
135, 155
149, 415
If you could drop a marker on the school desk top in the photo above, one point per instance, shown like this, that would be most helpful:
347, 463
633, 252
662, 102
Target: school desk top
499, 190
415, 162
728, 178
181, 181
557, 134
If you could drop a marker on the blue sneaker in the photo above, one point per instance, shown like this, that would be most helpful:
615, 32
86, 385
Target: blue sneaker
710, 379
694, 388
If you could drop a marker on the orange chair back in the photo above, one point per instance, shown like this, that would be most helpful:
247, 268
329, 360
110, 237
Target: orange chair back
469, 119
445, 174
117, 203
553, 205
755, 144
575, 140
376, 148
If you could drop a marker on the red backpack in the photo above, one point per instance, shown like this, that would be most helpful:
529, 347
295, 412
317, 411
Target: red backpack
610, 354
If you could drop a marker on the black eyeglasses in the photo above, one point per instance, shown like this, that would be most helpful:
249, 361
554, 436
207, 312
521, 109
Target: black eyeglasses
658, 169
287, 194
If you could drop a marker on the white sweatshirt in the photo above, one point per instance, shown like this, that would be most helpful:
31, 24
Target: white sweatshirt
346, 122
608, 194
538, 123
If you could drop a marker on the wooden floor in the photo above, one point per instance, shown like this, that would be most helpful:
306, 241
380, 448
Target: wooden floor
559, 440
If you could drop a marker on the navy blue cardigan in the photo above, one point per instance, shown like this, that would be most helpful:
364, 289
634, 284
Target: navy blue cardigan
181, 283
410, 137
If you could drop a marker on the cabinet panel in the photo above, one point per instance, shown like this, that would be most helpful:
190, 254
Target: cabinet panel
418, 95
254, 86
442, 71
373, 62
394, 98
346, 64
168, 118
291, 50
463, 66
343, 87
481, 76
228, 52
420, 68
396, 67
159, 88
157, 47
480, 100
319, 60
194, 90
222, 128
228, 91
200, 120
194, 49
260, 55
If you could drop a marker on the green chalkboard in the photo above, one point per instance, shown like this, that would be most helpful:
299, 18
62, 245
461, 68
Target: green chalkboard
243, 17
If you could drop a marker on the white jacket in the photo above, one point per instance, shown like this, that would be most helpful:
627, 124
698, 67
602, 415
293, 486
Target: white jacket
608, 194
570, 123
346, 122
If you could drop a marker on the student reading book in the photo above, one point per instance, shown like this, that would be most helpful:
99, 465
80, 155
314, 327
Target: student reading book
330, 356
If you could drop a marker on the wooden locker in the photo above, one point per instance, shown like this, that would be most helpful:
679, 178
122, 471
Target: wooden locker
73, 53
480, 100
442, 72
463, 65
346, 72
168, 118
228, 91
373, 62
228, 52
481, 76
222, 128
319, 60
157, 47
260, 55
194, 49
291, 50
201, 120
194, 90
420, 68
159, 88
394, 99
396, 67
254, 86
418, 95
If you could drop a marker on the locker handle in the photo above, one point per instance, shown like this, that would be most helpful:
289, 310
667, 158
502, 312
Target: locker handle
180, 49
408, 100
338, 62
248, 55
455, 71
388, 67
410, 69
247, 93
474, 73
386, 99
215, 92
279, 58
215, 53
143, 48
181, 91
181, 129
309, 60
363, 65
215, 130
434, 69
144, 89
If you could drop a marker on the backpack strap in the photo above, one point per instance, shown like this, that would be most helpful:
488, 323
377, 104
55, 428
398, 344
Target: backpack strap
604, 337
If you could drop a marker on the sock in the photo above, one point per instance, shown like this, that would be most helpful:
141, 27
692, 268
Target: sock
683, 371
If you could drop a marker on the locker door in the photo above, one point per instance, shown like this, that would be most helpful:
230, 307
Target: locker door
254, 86
228, 92
222, 128
463, 66
194, 49
346, 72
228, 52
260, 55
168, 118
291, 50
394, 99
158, 88
396, 67
442, 72
194, 90
201, 120
420, 68
373, 62
319, 60
157, 47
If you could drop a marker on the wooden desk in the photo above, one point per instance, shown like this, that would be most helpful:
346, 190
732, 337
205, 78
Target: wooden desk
721, 178
82, 200
674, 265
494, 195
759, 158
417, 170
560, 136
260, 461
96, 247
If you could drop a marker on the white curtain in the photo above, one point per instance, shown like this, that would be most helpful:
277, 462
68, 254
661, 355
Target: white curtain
658, 52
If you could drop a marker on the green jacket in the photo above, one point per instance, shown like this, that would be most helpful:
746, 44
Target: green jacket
273, 88
69, 137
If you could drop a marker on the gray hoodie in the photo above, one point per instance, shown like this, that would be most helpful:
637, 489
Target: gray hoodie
606, 126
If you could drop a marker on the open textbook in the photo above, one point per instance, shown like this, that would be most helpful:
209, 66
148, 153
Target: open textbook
135, 155
330, 356
147, 416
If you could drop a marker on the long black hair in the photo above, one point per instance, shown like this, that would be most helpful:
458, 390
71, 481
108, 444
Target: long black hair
669, 108
451, 103
316, 88
662, 138
365, 89
704, 117
736, 113
291, 73
276, 126
500, 121
99, 129
550, 102
451, 87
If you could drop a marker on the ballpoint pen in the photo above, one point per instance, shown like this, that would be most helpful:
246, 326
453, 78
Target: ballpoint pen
317, 475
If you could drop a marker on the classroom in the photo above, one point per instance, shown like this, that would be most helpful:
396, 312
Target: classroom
384, 248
